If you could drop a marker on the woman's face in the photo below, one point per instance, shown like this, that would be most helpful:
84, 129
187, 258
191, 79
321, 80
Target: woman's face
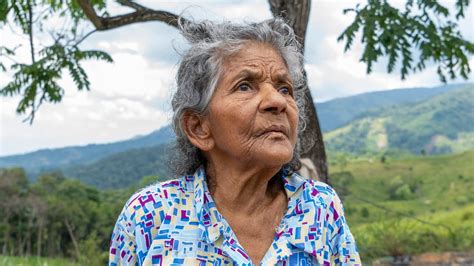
253, 116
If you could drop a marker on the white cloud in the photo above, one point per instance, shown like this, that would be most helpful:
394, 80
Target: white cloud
126, 99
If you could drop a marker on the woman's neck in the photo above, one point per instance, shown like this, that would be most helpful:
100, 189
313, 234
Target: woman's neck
243, 189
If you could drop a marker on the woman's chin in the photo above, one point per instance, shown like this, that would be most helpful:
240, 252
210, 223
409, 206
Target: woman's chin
276, 156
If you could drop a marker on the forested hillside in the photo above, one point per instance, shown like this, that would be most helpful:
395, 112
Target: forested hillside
341, 111
441, 124
65, 157
123, 169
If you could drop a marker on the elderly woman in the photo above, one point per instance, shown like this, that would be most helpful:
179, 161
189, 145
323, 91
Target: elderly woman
239, 200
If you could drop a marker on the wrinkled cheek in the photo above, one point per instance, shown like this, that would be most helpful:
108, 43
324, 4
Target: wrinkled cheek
249, 145
293, 135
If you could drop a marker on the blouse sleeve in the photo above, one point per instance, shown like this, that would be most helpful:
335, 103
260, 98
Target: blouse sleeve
343, 246
137, 224
123, 245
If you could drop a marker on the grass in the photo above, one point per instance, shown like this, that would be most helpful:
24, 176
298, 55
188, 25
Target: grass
439, 183
409, 205
439, 232
34, 261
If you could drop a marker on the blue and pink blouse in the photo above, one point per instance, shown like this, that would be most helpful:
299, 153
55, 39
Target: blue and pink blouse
177, 223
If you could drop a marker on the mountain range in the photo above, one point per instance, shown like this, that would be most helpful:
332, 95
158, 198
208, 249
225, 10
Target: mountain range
341, 111
421, 120
78, 155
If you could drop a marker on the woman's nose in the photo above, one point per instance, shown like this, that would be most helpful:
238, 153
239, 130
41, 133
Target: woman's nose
272, 100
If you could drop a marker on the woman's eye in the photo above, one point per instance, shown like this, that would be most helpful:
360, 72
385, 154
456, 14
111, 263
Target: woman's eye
285, 90
244, 87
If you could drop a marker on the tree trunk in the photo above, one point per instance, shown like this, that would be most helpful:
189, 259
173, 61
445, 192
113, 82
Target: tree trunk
28, 235
6, 234
74, 242
296, 13
19, 238
38, 241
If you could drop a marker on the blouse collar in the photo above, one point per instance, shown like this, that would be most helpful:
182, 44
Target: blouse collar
211, 222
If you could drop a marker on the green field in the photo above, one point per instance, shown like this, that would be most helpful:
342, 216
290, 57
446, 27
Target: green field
34, 261
408, 206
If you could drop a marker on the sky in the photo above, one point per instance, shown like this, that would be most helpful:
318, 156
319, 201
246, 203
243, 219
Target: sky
131, 96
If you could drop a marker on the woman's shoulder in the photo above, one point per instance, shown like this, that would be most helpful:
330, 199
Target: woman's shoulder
141, 218
149, 205
319, 193
316, 187
157, 195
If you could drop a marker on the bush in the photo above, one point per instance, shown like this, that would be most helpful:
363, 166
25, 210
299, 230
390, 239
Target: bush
403, 193
341, 182
365, 212
409, 237
92, 253
462, 200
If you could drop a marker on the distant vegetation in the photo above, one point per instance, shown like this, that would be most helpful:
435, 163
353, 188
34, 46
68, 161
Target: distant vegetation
123, 169
418, 204
342, 111
58, 217
441, 124
35, 261
45, 160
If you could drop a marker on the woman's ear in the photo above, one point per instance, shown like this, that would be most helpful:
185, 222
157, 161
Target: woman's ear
196, 127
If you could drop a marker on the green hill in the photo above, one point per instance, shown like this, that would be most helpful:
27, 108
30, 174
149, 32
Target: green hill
47, 159
420, 204
441, 124
123, 169
341, 111
415, 185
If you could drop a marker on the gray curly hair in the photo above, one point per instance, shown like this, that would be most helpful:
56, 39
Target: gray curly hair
201, 67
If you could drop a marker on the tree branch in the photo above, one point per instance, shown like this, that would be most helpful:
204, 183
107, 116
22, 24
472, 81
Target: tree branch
84, 37
141, 14
132, 5
30, 31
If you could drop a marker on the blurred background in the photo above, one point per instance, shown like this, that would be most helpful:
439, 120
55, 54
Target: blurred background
399, 145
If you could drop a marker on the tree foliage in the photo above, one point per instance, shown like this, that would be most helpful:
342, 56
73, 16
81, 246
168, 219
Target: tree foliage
56, 217
424, 28
37, 80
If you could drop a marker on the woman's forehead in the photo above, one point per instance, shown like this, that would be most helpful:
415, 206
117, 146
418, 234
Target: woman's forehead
253, 52
255, 59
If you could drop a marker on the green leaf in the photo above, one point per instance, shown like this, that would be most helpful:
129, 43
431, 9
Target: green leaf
4, 10
388, 31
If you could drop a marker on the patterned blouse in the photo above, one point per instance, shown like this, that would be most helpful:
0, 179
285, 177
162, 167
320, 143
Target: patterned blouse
177, 223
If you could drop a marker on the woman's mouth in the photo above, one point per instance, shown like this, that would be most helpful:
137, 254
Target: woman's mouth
274, 129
